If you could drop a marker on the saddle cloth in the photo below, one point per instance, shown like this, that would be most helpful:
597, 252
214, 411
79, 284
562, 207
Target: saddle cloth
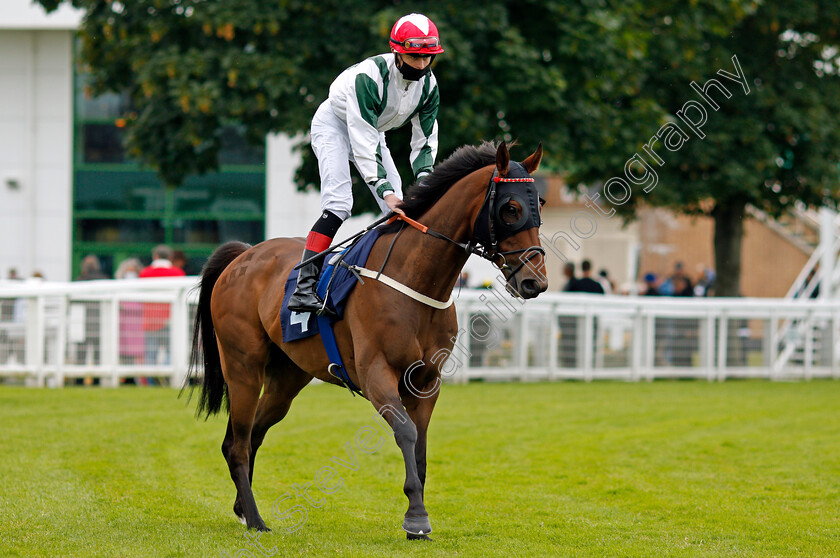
302, 325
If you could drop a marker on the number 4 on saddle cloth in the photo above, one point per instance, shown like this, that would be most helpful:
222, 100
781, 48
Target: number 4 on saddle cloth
334, 285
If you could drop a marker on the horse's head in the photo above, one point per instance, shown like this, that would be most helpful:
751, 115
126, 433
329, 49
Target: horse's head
508, 224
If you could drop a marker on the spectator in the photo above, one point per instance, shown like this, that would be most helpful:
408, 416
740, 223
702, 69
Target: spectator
587, 284
132, 343
91, 269
179, 260
706, 283
571, 280
650, 285
155, 319
605, 281
129, 269
668, 288
682, 286
463, 280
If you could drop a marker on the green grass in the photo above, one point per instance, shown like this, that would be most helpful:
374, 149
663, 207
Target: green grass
563, 469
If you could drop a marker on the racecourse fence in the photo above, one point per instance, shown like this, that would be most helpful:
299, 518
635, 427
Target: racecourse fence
54, 332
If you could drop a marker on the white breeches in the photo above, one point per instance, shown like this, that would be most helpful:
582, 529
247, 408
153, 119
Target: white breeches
331, 144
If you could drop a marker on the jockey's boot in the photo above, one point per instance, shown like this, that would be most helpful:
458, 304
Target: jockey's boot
305, 299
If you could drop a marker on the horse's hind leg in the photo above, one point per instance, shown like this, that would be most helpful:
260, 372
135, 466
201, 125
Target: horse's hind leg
244, 377
283, 381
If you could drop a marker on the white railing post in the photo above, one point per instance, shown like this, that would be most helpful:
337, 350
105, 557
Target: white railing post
33, 328
723, 338
553, 332
808, 352
179, 340
109, 339
38, 341
61, 342
650, 345
636, 344
524, 341
464, 339
707, 345
771, 348
588, 334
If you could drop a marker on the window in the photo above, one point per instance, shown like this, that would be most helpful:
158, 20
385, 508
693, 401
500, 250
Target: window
121, 210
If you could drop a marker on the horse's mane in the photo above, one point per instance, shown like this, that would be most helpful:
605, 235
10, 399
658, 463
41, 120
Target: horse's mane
420, 196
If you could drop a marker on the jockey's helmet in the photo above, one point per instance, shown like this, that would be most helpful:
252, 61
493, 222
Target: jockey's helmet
415, 34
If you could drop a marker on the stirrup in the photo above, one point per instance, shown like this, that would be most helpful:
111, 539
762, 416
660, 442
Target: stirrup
326, 311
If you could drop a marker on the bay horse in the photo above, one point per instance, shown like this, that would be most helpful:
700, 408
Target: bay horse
477, 201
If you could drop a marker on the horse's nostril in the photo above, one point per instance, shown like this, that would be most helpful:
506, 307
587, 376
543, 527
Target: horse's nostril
530, 288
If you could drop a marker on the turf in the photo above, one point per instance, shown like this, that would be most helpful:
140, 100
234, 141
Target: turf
563, 469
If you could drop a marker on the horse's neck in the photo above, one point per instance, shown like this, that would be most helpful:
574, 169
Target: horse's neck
435, 264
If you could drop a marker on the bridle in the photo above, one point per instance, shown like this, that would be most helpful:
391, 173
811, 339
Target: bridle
485, 243
488, 248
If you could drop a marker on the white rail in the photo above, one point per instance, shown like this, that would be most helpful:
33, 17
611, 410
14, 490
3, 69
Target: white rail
53, 332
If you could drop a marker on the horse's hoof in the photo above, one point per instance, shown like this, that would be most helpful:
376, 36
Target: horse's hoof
259, 525
417, 525
412, 537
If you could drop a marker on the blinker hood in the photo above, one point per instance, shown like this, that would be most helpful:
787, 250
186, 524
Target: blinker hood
491, 226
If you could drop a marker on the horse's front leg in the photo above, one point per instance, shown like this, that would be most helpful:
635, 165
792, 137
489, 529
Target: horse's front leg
384, 395
420, 411
420, 407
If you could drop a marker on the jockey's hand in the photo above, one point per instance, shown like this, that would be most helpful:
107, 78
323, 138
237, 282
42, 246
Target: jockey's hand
392, 202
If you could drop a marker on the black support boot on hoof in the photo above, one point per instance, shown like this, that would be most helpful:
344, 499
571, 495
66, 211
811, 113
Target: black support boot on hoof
419, 527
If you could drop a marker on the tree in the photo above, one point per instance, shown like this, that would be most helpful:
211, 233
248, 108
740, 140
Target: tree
773, 142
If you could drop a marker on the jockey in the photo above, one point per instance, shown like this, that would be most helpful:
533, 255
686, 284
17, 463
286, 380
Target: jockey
367, 99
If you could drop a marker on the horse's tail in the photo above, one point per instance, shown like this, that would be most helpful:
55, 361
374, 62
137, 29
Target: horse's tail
204, 348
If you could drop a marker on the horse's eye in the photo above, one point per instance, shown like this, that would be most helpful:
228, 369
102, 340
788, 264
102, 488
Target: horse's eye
510, 213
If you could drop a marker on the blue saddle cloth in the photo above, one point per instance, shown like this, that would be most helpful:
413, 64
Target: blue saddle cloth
300, 326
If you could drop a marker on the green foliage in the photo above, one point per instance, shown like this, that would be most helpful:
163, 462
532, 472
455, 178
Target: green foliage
592, 80
770, 148
664, 469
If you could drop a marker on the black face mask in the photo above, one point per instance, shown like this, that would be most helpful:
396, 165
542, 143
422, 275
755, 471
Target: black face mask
410, 73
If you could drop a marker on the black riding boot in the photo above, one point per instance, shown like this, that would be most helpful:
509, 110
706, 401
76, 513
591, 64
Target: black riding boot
305, 299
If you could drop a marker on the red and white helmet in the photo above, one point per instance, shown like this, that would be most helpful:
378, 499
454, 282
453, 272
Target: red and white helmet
415, 34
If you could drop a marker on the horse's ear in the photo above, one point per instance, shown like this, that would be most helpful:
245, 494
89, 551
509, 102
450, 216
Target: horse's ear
502, 159
532, 163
